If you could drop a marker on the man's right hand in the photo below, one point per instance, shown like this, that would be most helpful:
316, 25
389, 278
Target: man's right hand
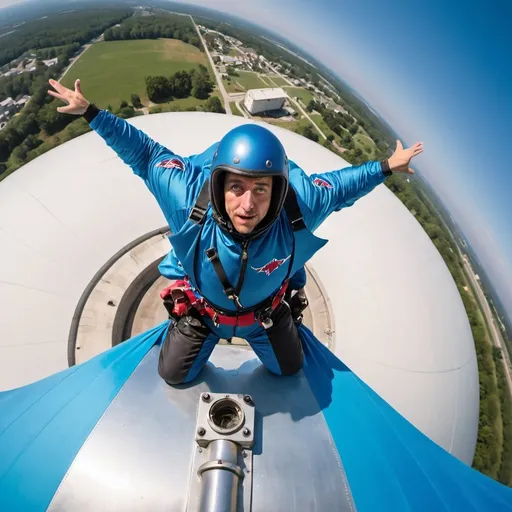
76, 103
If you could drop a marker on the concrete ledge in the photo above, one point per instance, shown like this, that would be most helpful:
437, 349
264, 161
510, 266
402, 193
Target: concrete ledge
123, 300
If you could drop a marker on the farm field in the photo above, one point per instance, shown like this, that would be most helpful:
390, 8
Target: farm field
112, 71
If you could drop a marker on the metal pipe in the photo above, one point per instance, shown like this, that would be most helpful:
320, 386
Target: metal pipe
220, 477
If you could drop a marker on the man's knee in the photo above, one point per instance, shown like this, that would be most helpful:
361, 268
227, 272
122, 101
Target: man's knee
180, 349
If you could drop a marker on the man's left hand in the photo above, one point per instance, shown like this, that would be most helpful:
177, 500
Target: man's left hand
400, 160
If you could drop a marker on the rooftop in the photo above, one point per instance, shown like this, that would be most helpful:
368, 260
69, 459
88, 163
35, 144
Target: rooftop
267, 94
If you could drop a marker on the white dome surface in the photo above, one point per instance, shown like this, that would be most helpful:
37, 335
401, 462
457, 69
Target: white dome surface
400, 324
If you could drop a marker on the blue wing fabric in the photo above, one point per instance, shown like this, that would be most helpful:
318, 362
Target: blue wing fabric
43, 425
389, 463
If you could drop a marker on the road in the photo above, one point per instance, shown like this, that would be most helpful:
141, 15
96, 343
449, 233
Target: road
238, 101
72, 62
299, 106
285, 78
225, 95
497, 339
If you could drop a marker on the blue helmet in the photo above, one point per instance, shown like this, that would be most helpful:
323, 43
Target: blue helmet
253, 151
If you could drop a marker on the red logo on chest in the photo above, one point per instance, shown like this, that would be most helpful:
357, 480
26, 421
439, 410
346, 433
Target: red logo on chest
272, 265
173, 163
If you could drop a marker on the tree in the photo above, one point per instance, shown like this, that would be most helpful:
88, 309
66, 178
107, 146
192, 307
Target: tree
124, 104
20, 153
201, 85
213, 104
136, 101
353, 129
126, 112
181, 84
310, 133
496, 353
158, 89
311, 106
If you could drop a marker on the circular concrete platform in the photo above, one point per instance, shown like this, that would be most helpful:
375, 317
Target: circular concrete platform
123, 300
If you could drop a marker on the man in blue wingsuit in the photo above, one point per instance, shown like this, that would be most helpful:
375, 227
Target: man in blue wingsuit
242, 218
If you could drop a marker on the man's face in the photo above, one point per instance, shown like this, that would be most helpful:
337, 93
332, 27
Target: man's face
247, 200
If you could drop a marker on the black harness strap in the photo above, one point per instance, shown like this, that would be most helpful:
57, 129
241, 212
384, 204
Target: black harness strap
213, 256
198, 212
292, 209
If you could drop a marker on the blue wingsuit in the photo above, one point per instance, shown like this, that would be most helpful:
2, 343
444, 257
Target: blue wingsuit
175, 181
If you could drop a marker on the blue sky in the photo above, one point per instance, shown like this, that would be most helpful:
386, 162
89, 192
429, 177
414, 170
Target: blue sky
438, 72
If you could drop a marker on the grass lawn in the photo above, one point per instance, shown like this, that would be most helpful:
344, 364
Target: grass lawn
365, 143
302, 93
319, 121
232, 86
112, 71
183, 103
235, 110
280, 82
249, 80
290, 125
234, 53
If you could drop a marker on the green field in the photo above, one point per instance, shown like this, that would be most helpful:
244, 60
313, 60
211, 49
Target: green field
365, 143
319, 121
112, 71
278, 81
232, 86
235, 110
249, 80
290, 125
302, 93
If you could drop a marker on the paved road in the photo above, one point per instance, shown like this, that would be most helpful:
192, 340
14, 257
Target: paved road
225, 95
497, 339
86, 47
277, 73
299, 106
241, 108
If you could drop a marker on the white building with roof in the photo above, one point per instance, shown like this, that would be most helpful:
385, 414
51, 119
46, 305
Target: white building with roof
264, 100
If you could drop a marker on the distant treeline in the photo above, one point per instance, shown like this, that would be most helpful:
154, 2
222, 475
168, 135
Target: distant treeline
196, 82
153, 27
60, 29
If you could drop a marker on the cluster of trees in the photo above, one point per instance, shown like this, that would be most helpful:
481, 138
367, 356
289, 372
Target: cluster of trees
30, 82
505, 472
153, 27
196, 82
38, 114
308, 131
56, 51
212, 104
59, 29
335, 121
493, 455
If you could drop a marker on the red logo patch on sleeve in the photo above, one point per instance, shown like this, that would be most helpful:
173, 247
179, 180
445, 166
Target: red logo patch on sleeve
173, 163
319, 182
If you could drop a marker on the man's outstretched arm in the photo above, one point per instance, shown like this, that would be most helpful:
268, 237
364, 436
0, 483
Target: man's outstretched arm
133, 146
331, 191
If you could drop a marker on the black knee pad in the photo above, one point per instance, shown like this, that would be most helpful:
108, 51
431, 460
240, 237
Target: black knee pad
182, 343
